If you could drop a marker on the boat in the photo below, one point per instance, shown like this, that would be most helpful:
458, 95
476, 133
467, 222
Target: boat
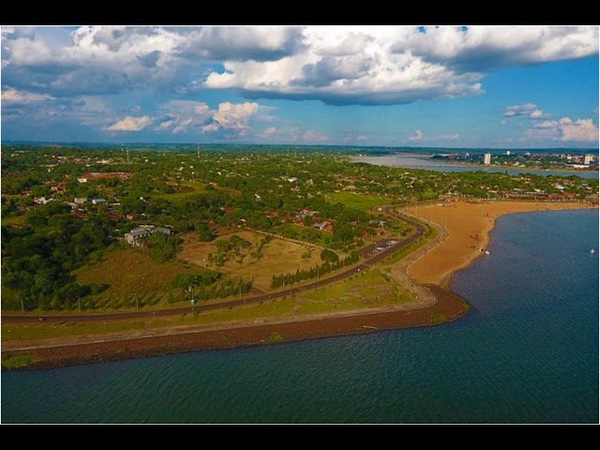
592, 251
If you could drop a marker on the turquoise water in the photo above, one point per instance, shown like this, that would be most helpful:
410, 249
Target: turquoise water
527, 353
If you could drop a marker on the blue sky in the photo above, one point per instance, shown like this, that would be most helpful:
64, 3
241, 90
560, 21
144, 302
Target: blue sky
481, 86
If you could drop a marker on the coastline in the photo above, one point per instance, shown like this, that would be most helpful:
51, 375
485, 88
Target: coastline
430, 268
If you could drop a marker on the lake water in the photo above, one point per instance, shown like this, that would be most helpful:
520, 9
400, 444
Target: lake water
416, 161
526, 353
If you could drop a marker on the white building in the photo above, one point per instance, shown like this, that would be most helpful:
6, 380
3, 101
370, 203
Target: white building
487, 159
587, 159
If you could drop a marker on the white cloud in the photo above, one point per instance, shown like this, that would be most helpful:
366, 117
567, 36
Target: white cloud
130, 124
450, 136
10, 95
386, 65
418, 136
232, 116
520, 110
579, 130
335, 64
481, 48
181, 115
565, 129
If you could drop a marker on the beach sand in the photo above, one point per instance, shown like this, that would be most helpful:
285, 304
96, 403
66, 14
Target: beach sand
468, 228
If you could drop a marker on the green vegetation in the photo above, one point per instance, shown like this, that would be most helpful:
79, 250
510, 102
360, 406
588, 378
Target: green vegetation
64, 210
276, 337
437, 318
18, 361
357, 201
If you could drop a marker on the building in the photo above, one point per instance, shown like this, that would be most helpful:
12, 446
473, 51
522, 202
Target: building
487, 159
98, 201
587, 159
144, 231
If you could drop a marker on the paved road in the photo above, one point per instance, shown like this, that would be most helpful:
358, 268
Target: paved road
366, 254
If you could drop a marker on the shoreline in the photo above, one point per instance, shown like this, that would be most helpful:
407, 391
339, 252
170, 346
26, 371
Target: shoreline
430, 268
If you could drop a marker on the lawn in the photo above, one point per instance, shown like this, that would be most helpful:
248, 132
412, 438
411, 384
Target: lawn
358, 201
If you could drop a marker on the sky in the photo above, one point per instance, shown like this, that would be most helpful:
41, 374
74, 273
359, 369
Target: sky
419, 86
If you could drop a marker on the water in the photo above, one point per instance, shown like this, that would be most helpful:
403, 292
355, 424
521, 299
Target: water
416, 161
527, 353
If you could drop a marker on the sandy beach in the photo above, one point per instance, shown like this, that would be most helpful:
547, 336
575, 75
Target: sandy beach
468, 226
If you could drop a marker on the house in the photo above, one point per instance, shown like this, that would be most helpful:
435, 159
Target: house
98, 201
143, 231
42, 200
80, 200
323, 226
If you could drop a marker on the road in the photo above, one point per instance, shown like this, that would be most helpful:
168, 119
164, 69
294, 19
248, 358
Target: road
369, 259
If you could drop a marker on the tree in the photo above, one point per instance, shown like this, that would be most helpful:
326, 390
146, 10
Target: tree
205, 234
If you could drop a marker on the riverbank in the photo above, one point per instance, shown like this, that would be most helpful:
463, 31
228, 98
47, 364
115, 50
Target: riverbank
464, 231
469, 226
61, 353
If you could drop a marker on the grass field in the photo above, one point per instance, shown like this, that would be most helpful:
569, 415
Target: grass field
358, 201
367, 290
133, 276
198, 187
279, 256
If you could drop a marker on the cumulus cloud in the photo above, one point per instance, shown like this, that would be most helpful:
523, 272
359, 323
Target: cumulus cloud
241, 43
565, 129
481, 48
520, 110
11, 95
579, 130
131, 124
181, 115
394, 65
418, 136
334, 64
527, 110
231, 116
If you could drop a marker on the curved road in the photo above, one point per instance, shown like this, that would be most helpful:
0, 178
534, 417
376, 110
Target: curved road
366, 253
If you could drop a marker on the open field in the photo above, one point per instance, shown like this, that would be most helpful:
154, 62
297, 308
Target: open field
369, 290
195, 188
132, 275
469, 226
278, 256
357, 201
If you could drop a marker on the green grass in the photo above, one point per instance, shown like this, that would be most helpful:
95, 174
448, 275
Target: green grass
178, 197
367, 290
18, 361
437, 318
14, 220
361, 202
41, 331
276, 337
19, 333
131, 274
